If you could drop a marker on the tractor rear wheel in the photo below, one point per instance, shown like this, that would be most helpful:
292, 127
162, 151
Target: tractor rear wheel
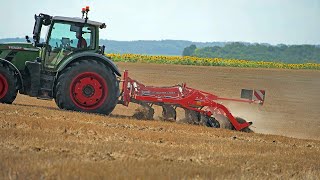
87, 86
8, 85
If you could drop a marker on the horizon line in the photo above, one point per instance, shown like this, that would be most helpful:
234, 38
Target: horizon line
272, 44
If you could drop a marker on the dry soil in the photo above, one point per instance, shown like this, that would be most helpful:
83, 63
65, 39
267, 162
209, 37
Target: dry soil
37, 140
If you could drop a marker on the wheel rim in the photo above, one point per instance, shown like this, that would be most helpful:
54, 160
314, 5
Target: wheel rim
3, 86
88, 90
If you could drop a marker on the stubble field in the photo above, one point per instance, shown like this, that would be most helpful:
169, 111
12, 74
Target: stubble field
40, 141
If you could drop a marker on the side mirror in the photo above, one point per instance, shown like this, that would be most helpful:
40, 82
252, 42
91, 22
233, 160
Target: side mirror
102, 26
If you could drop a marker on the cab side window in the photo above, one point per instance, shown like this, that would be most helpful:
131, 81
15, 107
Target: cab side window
61, 36
71, 36
66, 38
87, 34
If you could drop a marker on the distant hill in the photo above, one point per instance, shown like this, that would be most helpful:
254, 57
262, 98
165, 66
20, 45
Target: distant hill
6, 40
164, 47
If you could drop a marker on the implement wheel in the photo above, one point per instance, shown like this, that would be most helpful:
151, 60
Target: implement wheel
87, 86
8, 85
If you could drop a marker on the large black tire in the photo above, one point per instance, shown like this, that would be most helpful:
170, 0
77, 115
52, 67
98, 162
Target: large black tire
8, 85
87, 86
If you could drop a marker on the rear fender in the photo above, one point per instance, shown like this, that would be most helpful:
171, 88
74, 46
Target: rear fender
13, 67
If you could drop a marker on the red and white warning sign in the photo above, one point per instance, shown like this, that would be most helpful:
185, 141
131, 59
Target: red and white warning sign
255, 95
258, 95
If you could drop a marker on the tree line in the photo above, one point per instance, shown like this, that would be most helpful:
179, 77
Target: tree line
258, 52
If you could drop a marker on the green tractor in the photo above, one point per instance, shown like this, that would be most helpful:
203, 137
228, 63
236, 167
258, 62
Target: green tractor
69, 66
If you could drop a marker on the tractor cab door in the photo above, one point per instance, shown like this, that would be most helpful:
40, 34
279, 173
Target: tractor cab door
63, 40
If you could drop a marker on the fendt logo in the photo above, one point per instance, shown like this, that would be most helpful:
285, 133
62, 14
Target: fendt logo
21, 48
15, 47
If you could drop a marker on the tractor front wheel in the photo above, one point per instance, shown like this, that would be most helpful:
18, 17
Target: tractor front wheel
87, 86
8, 85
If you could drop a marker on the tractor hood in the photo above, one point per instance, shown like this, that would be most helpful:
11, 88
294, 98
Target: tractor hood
18, 47
18, 53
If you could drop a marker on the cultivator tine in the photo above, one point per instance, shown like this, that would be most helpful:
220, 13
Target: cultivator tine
169, 113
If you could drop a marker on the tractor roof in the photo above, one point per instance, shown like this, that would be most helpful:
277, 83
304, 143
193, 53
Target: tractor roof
78, 20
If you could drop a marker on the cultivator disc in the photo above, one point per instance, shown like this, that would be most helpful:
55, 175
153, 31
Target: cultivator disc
223, 121
169, 113
208, 121
191, 117
144, 112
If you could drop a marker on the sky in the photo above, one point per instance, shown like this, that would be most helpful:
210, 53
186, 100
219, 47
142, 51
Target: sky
255, 21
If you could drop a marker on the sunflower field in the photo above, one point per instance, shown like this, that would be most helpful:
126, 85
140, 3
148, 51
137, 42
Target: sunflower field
187, 60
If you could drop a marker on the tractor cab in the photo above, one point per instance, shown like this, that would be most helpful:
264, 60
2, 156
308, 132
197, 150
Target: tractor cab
66, 37
70, 43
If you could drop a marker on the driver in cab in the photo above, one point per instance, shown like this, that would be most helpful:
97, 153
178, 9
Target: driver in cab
82, 43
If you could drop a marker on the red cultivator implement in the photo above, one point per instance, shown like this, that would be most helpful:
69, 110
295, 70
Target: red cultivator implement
200, 107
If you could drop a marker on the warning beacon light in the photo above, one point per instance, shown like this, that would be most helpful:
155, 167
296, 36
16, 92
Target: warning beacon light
85, 11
